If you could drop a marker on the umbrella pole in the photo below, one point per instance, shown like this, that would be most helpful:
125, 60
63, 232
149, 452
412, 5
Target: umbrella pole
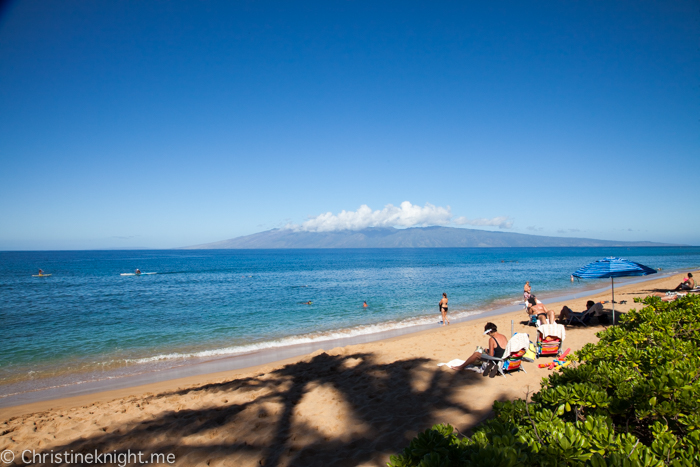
612, 281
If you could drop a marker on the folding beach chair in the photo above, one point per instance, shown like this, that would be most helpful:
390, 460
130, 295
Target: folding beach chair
579, 318
585, 316
512, 359
550, 339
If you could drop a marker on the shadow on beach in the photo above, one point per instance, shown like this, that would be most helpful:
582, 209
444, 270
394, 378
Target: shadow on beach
326, 410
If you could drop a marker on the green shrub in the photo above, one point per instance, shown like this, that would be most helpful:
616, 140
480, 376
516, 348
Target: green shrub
633, 399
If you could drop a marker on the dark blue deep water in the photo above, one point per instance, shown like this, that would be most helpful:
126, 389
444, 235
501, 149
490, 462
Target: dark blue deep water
86, 317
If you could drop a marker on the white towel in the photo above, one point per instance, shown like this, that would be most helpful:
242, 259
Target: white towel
455, 362
478, 367
596, 309
554, 330
519, 341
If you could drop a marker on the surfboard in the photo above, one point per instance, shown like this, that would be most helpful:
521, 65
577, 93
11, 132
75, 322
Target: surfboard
41, 275
134, 274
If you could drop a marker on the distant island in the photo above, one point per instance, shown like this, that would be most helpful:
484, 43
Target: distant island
415, 237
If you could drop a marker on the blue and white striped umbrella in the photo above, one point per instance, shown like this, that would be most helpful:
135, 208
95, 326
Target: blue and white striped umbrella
612, 267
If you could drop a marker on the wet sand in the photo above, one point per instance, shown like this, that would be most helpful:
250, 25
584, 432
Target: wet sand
352, 405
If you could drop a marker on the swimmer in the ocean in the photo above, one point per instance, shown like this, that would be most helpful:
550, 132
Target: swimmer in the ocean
364, 305
138, 272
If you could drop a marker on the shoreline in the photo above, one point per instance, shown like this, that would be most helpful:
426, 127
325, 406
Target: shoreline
202, 366
194, 372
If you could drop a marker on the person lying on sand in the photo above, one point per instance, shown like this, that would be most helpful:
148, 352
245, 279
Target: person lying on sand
687, 284
668, 296
497, 345
567, 312
539, 310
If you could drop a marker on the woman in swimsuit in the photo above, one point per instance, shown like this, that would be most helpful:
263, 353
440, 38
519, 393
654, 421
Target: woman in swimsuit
543, 314
687, 284
443, 309
497, 346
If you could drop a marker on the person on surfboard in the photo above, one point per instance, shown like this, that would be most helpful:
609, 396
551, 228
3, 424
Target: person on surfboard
138, 272
41, 272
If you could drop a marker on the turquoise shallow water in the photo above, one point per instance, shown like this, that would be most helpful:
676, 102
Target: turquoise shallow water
87, 321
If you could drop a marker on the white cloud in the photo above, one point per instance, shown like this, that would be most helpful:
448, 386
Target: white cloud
501, 222
406, 215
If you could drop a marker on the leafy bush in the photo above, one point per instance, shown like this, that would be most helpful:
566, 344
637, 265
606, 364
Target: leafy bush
632, 400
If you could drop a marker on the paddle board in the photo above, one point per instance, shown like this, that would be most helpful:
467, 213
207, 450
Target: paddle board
41, 275
134, 274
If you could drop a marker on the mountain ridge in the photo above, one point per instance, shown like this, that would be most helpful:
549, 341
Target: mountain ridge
414, 237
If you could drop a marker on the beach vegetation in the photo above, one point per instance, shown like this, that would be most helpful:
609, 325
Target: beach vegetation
631, 399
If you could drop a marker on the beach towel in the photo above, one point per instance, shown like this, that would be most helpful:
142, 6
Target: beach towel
596, 309
554, 330
455, 362
479, 367
519, 341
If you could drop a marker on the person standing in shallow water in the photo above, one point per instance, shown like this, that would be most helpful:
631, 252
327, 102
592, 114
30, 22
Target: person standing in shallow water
443, 309
527, 290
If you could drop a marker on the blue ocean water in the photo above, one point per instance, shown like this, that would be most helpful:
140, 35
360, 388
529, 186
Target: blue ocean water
87, 319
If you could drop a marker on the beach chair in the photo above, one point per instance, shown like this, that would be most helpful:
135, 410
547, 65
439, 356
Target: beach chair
512, 359
550, 339
585, 316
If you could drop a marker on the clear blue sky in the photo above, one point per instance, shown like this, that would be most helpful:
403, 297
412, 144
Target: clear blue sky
164, 124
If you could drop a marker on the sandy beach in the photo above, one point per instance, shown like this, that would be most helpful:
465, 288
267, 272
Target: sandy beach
353, 405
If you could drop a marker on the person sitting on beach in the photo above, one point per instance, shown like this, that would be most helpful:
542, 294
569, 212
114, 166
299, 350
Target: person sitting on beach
597, 310
497, 346
443, 309
527, 290
539, 310
687, 284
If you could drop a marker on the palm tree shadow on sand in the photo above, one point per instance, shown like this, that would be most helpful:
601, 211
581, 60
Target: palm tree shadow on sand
327, 410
